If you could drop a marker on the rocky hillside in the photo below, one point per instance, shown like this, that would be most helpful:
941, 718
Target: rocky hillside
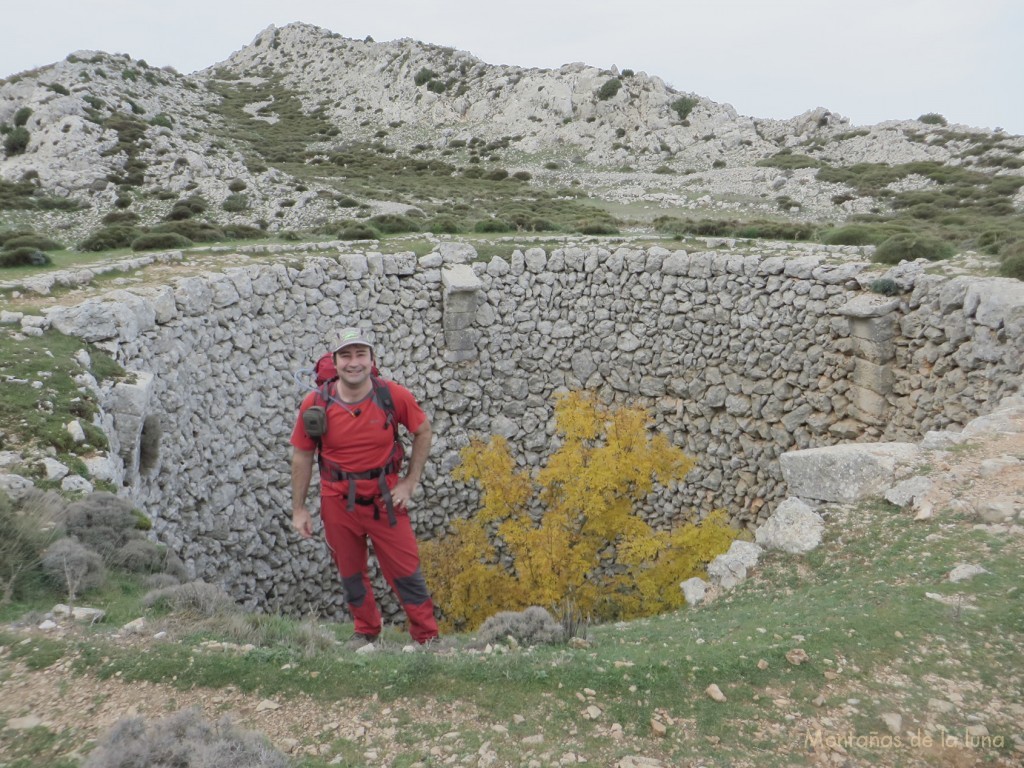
281, 134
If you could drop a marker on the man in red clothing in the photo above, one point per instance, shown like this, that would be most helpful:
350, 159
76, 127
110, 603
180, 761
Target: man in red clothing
362, 495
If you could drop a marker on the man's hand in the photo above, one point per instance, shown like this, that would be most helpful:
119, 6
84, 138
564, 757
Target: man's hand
402, 492
302, 522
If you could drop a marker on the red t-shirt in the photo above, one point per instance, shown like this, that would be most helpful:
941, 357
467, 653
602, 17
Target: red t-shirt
358, 443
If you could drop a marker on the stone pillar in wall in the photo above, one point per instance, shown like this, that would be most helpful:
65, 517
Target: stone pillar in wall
461, 299
874, 325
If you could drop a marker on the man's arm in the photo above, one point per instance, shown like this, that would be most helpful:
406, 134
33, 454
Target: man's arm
302, 471
405, 487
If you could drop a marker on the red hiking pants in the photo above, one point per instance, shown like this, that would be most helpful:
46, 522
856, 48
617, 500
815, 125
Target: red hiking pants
398, 555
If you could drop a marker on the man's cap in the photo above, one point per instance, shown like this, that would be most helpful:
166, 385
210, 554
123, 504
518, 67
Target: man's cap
351, 336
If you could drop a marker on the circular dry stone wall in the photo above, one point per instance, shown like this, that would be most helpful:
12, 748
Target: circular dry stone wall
738, 358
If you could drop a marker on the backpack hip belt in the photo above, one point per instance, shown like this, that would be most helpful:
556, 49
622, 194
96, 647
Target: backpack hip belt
331, 471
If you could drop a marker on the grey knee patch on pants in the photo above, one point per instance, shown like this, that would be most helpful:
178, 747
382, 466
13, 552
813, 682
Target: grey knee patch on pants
412, 589
355, 589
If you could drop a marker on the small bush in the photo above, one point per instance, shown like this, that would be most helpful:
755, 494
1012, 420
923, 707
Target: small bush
39, 242
103, 522
493, 225
854, 234
235, 202
719, 163
596, 228
21, 116
184, 739
161, 120
393, 223
16, 142
59, 89
236, 185
909, 247
437, 86
196, 231
609, 89
242, 232
24, 257
358, 230
155, 241
108, 238
424, 76
121, 217
442, 225
885, 286
533, 626
74, 567
196, 598
932, 118
684, 105
27, 530
1013, 266
139, 556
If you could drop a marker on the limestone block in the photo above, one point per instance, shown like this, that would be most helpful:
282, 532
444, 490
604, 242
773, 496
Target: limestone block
793, 527
694, 590
877, 378
846, 473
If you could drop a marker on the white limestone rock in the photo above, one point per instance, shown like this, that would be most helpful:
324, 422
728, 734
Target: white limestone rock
793, 527
846, 473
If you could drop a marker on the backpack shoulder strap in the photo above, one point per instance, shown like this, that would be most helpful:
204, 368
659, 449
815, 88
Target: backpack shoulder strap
382, 394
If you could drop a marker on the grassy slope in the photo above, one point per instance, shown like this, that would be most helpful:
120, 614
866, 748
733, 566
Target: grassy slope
875, 645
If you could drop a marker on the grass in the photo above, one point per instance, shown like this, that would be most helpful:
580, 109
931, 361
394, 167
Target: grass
859, 611
36, 415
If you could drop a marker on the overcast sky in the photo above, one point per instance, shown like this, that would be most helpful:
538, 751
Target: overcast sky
869, 60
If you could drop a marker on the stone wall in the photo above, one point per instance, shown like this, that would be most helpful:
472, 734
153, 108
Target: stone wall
739, 358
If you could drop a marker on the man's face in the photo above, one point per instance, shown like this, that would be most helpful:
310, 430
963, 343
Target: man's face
354, 363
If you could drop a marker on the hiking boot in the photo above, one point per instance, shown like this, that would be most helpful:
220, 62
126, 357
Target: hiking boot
360, 641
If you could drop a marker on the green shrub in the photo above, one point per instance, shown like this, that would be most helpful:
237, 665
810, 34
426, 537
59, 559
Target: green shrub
236, 185
346, 202
424, 76
910, 247
609, 89
16, 141
194, 230
522, 176
123, 201
854, 234
719, 163
10, 234
108, 238
1013, 266
885, 286
121, 217
498, 174
493, 225
393, 223
664, 170
155, 241
21, 116
59, 89
358, 230
596, 228
932, 118
235, 203
684, 105
442, 225
242, 232
161, 120
787, 160
24, 257
437, 86
39, 242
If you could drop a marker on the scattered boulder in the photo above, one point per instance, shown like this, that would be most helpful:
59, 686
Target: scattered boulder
794, 527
